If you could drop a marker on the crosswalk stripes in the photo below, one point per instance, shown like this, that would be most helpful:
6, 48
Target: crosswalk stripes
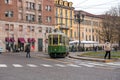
115, 64
96, 64
3, 65
46, 65
81, 64
32, 65
87, 65
73, 65
60, 65
17, 65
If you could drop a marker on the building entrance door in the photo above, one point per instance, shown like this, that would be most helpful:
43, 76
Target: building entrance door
40, 44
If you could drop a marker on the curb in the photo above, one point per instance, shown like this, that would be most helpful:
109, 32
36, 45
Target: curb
92, 59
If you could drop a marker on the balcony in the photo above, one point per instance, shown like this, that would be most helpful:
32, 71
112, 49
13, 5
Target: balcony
63, 27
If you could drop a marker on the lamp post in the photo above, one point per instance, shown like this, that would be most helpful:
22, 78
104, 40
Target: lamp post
79, 18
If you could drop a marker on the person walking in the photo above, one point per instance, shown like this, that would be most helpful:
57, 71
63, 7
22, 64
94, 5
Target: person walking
28, 51
107, 48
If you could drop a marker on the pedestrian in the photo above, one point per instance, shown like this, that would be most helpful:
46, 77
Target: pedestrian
115, 48
27, 50
107, 48
72, 48
96, 48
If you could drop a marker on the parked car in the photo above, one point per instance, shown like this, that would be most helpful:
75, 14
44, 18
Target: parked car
1, 49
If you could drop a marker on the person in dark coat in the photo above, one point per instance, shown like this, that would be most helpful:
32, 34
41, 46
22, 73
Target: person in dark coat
95, 48
28, 51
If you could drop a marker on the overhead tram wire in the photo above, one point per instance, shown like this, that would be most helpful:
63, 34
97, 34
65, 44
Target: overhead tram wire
96, 5
81, 2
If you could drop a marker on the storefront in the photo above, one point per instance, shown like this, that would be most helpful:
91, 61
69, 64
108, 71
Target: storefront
32, 41
9, 44
21, 42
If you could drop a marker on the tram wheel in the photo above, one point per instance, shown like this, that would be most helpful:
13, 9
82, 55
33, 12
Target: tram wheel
52, 55
67, 53
63, 56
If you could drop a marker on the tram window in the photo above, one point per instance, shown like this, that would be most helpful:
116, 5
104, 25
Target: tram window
60, 40
67, 41
50, 39
55, 39
64, 40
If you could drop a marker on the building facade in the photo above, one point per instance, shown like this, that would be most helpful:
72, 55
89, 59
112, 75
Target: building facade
64, 16
25, 22
29, 21
89, 28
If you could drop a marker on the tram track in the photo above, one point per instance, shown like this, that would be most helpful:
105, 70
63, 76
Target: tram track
61, 60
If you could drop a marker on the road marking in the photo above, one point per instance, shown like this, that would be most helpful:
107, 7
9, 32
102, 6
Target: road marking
60, 65
114, 64
32, 65
46, 65
17, 65
87, 65
97, 64
3, 65
105, 67
55, 60
73, 65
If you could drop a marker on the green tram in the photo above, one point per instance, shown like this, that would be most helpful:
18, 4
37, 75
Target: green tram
58, 45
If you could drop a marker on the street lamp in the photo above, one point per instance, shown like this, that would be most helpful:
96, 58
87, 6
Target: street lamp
79, 18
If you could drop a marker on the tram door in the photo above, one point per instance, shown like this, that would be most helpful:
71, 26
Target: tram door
40, 44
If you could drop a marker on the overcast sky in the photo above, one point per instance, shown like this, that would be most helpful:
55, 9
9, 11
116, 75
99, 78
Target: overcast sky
95, 6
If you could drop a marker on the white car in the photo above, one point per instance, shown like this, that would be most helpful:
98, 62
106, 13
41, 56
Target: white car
2, 46
1, 49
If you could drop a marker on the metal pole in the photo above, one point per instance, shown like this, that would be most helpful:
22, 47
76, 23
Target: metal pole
79, 18
9, 37
79, 36
45, 41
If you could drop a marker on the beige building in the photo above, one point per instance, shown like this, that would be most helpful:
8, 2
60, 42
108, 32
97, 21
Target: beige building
64, 16
89, 28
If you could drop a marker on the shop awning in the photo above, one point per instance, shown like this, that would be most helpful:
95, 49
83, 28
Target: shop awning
7, 39
29, 40
22, 40
12, 40
33, 40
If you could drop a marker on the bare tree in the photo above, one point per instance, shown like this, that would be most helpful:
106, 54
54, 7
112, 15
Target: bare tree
116, 11
107, 31
110, 29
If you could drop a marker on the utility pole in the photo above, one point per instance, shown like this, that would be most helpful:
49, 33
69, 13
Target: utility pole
79, 18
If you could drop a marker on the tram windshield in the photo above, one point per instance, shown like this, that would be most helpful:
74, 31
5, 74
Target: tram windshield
55, 39
58, 40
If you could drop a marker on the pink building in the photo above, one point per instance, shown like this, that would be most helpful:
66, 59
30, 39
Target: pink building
25, 22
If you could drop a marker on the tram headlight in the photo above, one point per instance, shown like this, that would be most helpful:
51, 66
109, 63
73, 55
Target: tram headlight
55, 49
